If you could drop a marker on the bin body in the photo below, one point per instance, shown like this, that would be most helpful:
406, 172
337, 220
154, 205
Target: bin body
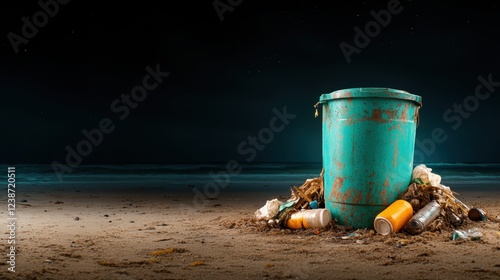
368, 145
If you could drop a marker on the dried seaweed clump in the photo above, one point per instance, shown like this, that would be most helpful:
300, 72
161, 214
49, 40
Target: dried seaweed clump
311, 190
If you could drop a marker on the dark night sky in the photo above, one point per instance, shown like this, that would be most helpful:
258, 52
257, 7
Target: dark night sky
226, 77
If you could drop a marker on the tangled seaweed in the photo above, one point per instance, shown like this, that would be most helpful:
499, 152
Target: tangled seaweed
311, 190
426, 186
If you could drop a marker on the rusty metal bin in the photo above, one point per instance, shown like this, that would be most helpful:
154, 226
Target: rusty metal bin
368, 146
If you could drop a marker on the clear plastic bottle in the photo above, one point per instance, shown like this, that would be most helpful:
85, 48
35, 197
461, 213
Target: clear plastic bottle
472, 234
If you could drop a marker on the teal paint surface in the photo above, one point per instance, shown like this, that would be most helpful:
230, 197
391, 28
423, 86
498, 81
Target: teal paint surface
368, 145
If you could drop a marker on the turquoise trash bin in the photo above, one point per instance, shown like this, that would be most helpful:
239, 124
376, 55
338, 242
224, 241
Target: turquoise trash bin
368, 145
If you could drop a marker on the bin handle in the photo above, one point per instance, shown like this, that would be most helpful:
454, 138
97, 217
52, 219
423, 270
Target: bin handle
316, 114
418, 114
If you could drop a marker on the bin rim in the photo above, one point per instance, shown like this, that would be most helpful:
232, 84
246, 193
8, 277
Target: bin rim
370, 92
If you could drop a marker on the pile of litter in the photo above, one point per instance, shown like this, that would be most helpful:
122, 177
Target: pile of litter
312, 190
286, 214
425, 187
434, 207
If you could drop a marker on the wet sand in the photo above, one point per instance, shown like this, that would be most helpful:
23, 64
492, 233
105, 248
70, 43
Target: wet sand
152, 234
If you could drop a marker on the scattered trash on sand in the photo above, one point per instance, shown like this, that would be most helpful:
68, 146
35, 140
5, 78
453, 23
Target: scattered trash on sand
269, 210
426, 186
425, 206
471, 234
357, 190
301, 210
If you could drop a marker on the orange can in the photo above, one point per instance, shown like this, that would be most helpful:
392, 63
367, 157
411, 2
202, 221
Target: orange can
394, 217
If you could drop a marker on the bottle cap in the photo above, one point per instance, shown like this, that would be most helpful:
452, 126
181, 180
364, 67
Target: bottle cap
313, 204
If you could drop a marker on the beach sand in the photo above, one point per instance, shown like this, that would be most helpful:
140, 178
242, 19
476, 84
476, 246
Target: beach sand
153, 234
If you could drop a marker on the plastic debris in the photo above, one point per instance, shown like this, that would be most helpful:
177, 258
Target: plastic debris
352, 234
269, 210
424, 174
272, 222
313, 204
311, 218
308, 196
426, 186
403, 242
470, 234
287, 204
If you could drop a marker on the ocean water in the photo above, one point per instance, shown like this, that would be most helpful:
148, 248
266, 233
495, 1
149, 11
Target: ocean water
254, 175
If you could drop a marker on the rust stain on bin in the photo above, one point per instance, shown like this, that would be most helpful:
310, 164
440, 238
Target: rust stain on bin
339, 164
390, 113
349, 121
346, 197
369, 196
348, 95
386, 182
358, 198
404, 116
383, 195
415, 115
396, 154
376, 115
396, 127
337, 185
